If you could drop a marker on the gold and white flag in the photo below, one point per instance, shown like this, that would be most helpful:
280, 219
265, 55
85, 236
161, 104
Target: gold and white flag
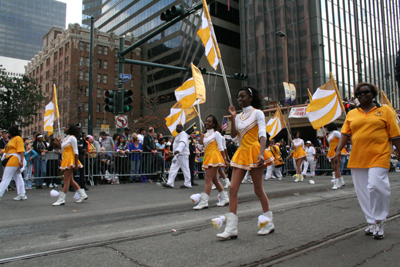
51, 113
275, 124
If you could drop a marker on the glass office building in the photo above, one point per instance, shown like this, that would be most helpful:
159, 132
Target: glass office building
302, 41
94, 8
23, 24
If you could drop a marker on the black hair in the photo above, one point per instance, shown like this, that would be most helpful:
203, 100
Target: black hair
14, 131
141, 130
331, 127
295, 133
215, 121
119, 140
102, 133
371, 86
115, 136
161, 139
257, 101
73, 130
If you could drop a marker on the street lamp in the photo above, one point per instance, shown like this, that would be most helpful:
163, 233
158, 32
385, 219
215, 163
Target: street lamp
283, 35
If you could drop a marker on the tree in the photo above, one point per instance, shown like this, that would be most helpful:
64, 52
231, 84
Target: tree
20, 99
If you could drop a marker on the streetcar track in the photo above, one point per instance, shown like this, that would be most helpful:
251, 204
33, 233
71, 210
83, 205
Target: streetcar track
145, 236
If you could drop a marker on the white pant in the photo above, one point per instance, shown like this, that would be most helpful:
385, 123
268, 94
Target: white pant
180, 161
310, 162
12, 173
373, 192
270, 169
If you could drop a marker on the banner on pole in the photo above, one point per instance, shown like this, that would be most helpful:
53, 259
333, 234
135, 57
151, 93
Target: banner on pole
287, 92
298, 112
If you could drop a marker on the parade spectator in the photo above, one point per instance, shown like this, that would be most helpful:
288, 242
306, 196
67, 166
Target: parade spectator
127, 134
3, 143
53, 164
91, 167
154, 160
161, 145
192, 156
82, 150
167, 156
106, 164
116, 139
397, 69
39, 163
107, 142
141, 135
136, 149
121, 161
169, 143
29, 155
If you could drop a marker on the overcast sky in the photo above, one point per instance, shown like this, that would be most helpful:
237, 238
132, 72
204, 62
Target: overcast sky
74, 11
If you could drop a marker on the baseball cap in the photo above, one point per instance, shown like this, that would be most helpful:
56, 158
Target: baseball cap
308, 142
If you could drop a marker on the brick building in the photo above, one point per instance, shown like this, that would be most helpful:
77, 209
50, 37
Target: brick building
64, 62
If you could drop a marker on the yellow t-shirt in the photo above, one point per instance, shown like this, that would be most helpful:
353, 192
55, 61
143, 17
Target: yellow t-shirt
371, 134
15, 145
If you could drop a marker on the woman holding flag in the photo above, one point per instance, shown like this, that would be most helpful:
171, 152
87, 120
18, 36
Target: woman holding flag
214, 158
249, 129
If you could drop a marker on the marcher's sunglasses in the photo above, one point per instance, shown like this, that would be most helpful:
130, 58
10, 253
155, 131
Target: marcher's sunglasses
365, 92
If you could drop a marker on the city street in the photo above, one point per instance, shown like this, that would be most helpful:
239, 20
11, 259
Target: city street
148, 225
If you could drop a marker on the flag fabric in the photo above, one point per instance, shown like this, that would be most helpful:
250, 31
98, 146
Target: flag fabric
208, 38
384, 100
224, 124
326, 105
189, 94
51, 113
275, 124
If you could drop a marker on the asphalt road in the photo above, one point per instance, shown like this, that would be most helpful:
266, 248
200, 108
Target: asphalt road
148, 225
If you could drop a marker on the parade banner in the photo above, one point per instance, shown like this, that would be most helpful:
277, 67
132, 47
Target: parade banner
287, 92
298, 112
292, 93
51, 113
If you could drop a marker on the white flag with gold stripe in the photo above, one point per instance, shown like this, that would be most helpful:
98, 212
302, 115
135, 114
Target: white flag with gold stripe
275, 124
208, 38
51, 113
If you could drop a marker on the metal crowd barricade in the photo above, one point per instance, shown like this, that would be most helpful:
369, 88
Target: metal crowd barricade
323, 165
47, 168
113, 167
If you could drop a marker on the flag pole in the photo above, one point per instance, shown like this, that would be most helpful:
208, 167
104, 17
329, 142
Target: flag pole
226, 82
200, 121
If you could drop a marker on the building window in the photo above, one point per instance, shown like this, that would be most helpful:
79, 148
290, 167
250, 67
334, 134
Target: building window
60, 66
86, 122
55, 55
55, 69
47, 87
98, 122
61, 52
41, 79
81, 75
86, 107
115, 80
48, 61
81, 46
116, 52
105, 63
66, 61
87, 76
99, 95
87, 61
41, 67
87, 47
99, 49
105, 50
116, 66
98, 107
99, 63
131, 82
104, 121
66, 47
99, 78
47, 74
104, 78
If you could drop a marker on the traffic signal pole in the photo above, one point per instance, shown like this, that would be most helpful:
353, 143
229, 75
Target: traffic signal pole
120, 92
90, 97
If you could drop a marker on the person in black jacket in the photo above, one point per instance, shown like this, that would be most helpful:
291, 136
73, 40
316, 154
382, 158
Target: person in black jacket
82, 149
192, 155
397, 69
39, 163
152, 159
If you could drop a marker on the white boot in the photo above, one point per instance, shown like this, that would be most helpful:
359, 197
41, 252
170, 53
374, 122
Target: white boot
203, 204
269, 228
213, 187
297, 178
82, 196
227, 183
336, 185
231, 227
61, 199
301, 178
224, 199
341, 181
333, 175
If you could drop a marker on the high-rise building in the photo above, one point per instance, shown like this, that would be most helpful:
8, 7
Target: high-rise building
64, 62
94, 8
302, 41
179, 46
23, 24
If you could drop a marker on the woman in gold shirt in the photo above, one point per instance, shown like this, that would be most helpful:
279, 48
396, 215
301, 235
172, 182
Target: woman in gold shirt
372, 128
13, 153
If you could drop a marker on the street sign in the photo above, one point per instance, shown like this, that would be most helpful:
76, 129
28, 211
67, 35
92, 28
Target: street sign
121, 121
125, 76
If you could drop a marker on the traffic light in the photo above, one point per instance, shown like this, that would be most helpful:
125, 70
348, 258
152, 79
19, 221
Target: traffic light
240, 76
111, 101
127, 99
203, 70
172, 13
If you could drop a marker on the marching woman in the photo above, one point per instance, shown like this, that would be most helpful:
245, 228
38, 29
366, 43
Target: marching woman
299, 155
14, 160
214, 157
249, 129
311, 159
333, 139
70, 163
278, 162
372, 128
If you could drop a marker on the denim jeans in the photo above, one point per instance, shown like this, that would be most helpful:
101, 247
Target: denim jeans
40, 169
28, 175
135, 169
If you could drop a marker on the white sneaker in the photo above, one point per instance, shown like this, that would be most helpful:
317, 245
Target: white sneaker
244, 181
50, 185
20, 197
213, 187
280, 178
227, 183
297, 178
55, 185
312, 181
301, 178
44, 184
266, 178
273, 177
370, 229
378, 231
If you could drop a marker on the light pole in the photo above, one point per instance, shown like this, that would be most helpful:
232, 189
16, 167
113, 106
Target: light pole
283, 35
